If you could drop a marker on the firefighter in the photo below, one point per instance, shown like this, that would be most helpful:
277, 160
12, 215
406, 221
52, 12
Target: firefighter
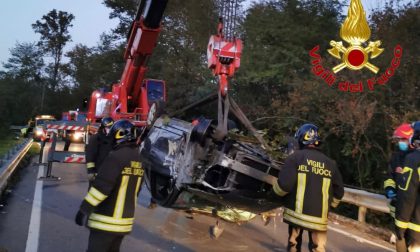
110, 203
310, 183
401, 137
99, 146
407, 212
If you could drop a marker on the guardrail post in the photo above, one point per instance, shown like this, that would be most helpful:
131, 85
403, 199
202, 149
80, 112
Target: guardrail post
41, 152
48, 175
51, 154
362, 214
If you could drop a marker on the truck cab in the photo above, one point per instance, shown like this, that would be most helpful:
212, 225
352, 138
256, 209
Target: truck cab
73, 135
39, 127
101, 104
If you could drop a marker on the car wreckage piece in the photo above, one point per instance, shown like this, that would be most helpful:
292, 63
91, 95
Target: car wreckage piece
186, 168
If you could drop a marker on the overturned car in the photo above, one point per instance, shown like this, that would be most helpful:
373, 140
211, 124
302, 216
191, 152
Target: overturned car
187, 168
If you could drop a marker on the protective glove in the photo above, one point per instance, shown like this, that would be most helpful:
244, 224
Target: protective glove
81, 218
91, 176
399, 232
390, 193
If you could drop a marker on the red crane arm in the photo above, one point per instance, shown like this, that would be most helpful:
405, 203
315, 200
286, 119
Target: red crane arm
141, 42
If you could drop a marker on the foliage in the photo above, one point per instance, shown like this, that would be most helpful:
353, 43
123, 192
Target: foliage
25, 62
93, 68
19, 101
180, 57
6, 143
124, 11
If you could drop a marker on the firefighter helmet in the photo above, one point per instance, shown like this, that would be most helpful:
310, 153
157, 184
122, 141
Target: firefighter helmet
122, 131
404, 131
107, 122
308, 134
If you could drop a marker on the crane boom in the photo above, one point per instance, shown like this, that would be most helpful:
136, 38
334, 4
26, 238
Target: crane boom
130, 98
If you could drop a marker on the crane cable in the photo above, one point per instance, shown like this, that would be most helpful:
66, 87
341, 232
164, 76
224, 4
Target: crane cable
228, 14
227, 18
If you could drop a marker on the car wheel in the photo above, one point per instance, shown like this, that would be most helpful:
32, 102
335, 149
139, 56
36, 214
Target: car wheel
162, 188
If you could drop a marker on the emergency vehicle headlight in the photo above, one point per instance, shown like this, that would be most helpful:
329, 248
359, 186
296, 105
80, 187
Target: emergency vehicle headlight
77, 135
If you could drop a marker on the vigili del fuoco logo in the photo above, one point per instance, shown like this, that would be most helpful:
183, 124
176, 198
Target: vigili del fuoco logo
355, 54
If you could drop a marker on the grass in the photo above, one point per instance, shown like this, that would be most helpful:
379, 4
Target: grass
34, 150
6, 143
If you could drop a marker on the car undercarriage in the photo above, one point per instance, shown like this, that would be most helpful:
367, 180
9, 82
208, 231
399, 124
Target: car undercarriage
188, 168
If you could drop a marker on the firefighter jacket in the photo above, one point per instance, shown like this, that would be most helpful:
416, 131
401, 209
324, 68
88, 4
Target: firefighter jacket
395, 166
98, 148
112, 198
310, 182
407, 215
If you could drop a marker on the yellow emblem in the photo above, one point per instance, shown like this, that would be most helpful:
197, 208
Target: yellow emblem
309, 135
355, 31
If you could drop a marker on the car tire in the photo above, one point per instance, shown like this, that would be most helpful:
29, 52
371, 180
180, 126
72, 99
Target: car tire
163, 189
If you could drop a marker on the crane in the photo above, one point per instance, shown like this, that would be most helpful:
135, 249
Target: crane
132, 96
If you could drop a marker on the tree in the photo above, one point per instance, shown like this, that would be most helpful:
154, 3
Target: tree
93, 68
18, 100
124, 10
277, 38
21, 84
25, 62
180, 57
54, 32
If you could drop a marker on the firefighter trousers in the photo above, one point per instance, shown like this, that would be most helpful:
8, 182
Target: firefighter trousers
317, 240
100, 241
67, 143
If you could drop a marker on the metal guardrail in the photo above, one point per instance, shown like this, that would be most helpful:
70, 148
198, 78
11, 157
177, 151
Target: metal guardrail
365, 200
11, 161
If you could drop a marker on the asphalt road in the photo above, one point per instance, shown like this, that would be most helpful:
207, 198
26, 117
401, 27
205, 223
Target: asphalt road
39, 216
